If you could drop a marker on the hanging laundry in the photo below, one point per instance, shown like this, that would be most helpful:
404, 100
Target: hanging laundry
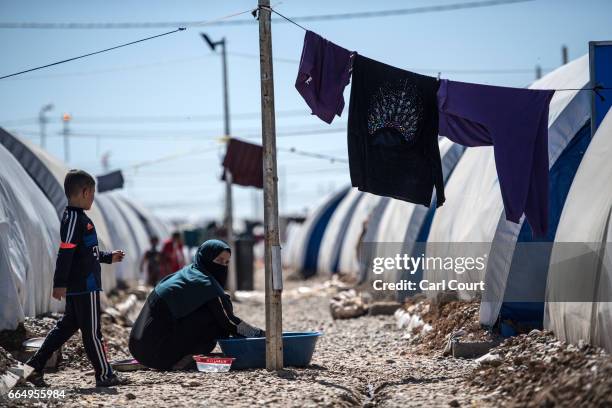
393, 133
515, 122
110, 181
245, 163
324, 72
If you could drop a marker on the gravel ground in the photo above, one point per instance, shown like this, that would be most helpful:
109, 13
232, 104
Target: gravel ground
538, 370
357, 362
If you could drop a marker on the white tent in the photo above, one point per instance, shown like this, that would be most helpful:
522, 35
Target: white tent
121, 238
59, 170
348, 262
131, 226
341, 236
25, 153
136, 241
29, 240
579, 287
154, 225
304, 254
289, 246
473, 219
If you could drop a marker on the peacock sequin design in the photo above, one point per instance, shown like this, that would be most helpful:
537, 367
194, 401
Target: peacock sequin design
397, 106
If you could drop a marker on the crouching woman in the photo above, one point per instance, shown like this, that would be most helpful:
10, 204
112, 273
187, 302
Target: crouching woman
187, 312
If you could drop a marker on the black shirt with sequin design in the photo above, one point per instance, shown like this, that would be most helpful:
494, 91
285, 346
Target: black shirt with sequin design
393, 133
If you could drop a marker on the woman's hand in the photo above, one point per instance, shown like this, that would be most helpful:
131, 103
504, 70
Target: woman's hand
246, 330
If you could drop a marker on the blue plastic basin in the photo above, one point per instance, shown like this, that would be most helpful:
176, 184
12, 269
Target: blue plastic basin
298, 348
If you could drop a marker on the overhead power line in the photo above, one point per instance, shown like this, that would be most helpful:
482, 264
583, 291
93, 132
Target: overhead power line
332, 159
221, 22
153, 118
195, 134
170, 157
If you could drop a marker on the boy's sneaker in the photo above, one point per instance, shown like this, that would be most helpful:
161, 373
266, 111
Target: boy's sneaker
112, 381
37, 379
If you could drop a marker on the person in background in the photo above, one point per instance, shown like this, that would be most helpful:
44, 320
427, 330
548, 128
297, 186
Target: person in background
172, 255
152, 260
187, 312
78, 279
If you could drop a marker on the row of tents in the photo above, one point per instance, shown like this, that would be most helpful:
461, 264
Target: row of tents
562, 281
32, 201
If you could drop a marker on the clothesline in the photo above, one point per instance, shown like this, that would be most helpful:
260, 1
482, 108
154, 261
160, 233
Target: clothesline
92, 53
595, 89
203, 23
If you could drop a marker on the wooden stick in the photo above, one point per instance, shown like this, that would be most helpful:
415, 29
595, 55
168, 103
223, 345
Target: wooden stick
274, 324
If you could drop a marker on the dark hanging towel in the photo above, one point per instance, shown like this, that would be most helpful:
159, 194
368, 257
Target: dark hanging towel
245, 163
110, 181
324, 72
393, 133
515, 122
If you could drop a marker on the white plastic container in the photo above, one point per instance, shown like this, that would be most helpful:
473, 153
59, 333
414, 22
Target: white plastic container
213, 364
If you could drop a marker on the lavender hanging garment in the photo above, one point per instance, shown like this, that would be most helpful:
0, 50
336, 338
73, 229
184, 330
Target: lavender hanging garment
324, 72
393, 133
515, 122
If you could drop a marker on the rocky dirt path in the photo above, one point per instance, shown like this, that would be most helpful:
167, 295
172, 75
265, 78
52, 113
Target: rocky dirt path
358, 362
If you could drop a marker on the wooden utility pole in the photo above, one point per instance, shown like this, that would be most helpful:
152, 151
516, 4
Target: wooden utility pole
274, 282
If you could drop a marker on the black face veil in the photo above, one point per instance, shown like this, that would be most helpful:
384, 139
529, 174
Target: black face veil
203, 260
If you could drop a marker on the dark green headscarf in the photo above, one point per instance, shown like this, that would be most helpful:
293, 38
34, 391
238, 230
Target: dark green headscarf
195, 284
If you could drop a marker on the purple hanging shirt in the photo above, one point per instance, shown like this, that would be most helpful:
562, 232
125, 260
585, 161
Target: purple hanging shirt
324, 72
515, 122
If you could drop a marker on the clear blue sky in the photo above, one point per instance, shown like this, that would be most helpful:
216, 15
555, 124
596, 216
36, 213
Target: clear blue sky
177, 76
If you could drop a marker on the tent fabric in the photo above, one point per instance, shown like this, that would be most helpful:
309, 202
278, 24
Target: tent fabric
139, 225
59, 170
348, 259
36, 168
526, 282
121, 237
288, 246
332, 241
569, 111
153, 224
586, 219
304, 254
138, 241
29, 239
470, 214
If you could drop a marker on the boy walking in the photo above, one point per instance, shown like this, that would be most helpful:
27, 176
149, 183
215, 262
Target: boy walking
77, 278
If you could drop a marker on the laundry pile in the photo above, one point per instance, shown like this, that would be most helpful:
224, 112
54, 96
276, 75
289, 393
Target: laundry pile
538, 370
